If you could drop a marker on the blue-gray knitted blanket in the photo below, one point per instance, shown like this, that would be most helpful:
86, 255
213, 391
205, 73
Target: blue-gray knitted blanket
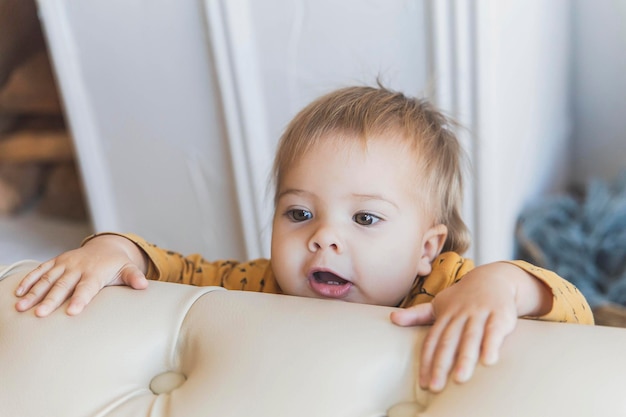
583, 239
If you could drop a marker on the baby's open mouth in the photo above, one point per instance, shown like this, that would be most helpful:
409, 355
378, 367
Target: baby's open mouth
329, 285
329, 278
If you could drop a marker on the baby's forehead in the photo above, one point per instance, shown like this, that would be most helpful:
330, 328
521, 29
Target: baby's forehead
399, 148
377, 156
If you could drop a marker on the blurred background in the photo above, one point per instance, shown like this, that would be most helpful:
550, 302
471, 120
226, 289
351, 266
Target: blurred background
161, 117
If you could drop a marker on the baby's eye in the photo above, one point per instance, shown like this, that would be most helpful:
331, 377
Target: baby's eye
365, 219
299, 215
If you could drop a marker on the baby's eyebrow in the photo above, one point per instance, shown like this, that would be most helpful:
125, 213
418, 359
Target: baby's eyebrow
378, 197
288, 191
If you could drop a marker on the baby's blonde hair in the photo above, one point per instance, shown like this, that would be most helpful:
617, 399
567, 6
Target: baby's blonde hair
363, 112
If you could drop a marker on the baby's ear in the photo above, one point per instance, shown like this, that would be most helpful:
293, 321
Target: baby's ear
432, 243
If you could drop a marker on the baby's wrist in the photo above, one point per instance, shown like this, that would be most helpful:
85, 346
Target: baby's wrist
113, 240
532, 297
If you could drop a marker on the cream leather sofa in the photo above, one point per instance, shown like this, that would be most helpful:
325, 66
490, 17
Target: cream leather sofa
174, 350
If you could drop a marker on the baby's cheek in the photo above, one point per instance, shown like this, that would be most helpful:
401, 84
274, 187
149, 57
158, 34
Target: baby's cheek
286, 274
395, 287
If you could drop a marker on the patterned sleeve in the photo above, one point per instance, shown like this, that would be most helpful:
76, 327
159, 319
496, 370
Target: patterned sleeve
170, 266
447, 268
569, 305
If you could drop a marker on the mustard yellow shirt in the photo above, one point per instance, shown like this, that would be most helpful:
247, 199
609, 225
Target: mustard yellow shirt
569, 305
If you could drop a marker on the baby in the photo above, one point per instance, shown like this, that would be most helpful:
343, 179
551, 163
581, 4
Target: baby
367, 210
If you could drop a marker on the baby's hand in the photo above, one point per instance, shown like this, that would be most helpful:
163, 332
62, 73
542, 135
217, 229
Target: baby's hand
470, 321
80, 274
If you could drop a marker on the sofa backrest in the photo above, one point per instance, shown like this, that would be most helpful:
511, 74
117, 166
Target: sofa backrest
180, 351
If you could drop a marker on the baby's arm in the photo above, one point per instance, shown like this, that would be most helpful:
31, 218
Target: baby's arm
471, 319
81, 273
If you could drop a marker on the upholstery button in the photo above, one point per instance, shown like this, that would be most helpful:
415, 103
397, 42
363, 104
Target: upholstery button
167, 382
404, 410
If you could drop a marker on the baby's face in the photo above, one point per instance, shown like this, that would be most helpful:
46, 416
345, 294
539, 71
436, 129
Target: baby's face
348, 224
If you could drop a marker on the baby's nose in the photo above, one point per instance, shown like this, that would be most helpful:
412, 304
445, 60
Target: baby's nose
325, 237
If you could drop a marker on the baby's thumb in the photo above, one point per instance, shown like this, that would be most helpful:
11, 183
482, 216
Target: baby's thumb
133, 277
419, 315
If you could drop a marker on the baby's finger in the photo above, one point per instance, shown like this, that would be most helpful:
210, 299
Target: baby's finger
59, 292
496, 330
429, 348
85, 291
91, 284
418, 315
32, 277
133, 277
469, 349
426, 357
38, 290
443, 354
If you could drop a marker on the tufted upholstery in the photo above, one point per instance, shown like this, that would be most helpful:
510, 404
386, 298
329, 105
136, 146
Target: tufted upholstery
174, 350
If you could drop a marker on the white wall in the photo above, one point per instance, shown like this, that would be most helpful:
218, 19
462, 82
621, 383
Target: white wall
139, 90
599, 89
307, 48
523, 119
